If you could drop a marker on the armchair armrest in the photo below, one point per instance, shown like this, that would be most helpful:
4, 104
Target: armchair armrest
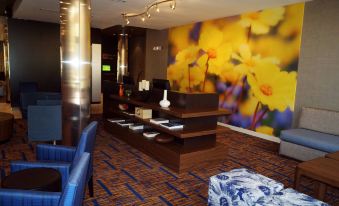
55, 152
13, 197
63, 168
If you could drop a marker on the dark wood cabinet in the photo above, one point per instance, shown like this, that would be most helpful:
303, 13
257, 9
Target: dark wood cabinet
194, 145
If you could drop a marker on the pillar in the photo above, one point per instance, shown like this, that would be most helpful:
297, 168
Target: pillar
75, 52
122, 63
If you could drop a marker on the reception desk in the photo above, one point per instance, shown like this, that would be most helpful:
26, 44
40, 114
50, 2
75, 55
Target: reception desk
193, 145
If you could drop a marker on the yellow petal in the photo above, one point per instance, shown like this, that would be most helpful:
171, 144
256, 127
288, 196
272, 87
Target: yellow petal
245, 51
210, 39
259, 28
271, 17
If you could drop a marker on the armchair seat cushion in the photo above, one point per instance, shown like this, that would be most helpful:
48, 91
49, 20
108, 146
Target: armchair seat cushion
240, 187
313, 139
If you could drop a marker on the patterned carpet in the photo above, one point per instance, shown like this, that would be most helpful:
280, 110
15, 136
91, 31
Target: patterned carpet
125, 176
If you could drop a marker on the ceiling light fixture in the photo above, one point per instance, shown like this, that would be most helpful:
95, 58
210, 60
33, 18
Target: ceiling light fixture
148, 8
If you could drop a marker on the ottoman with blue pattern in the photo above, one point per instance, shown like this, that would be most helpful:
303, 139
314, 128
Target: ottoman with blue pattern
241, 187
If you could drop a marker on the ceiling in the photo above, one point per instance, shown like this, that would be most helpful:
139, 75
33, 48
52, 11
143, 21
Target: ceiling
107, 13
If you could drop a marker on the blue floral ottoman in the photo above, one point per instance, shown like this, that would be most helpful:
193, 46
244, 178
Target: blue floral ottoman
241, 187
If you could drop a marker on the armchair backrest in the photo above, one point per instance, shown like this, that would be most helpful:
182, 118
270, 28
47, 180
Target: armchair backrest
74, 190
28, 87
44, 123
86, 143
48, 102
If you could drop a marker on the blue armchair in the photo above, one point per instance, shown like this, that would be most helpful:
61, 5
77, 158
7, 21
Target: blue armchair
31, 98
63, 158
71, 195
44, 123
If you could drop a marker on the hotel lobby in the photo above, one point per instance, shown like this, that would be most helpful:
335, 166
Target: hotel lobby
169, 102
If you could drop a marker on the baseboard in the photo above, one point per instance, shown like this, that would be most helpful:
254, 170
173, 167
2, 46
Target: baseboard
252, 133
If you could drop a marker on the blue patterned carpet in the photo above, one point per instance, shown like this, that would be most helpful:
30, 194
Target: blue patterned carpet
125, 176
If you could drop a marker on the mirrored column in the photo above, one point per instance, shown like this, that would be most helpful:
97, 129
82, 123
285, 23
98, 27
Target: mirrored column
75, 54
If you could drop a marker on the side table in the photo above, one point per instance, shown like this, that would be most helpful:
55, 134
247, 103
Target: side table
323, 170
42, 179
334, 156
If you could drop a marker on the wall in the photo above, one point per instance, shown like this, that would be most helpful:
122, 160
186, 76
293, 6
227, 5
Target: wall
156, 61
136, 57
34, 55
251, 64
318, 80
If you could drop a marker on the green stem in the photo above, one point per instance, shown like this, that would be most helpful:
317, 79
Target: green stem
249, 34
189, 78
254, 116
261, 116
206, 71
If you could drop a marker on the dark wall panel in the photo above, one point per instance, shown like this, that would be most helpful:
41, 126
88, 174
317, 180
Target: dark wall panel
34, 55
136, 57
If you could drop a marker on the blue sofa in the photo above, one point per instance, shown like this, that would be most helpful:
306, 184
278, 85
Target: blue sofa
72, 193
31, 98
317, 134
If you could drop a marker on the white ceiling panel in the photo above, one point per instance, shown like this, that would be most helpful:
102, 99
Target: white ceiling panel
107, 13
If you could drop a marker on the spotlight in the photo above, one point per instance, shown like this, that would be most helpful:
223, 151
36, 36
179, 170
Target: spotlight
148, 15
127, 21
157, 8
143, 18
173, 4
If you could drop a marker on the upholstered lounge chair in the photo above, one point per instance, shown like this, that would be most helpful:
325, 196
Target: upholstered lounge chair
64, 158
71, 195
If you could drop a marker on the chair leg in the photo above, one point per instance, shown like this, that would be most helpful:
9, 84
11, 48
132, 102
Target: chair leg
90, 186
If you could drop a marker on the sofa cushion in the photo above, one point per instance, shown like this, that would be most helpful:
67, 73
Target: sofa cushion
290, 197
240, 187
313, 139
325, 121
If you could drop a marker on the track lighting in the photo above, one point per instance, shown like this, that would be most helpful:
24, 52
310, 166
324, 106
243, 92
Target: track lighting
148, 8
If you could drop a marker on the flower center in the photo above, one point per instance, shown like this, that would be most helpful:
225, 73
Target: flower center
254, 16
266, 89
212, 53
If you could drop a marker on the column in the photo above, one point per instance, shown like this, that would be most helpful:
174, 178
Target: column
75, 52
122, 64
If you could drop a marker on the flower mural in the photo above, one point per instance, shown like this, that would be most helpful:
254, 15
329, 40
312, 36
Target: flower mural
250, 60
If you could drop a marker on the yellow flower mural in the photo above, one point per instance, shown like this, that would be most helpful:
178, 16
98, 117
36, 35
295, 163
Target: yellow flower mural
260, 22
273, 87
250, 60
265, 130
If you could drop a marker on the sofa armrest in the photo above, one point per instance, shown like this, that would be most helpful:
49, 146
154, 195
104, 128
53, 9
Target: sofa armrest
13, 197
55, 152
63, 168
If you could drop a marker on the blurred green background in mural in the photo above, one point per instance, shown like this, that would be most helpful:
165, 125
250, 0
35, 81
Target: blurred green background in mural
250, 60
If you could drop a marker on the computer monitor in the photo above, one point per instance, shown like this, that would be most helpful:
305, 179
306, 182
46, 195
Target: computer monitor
161, 84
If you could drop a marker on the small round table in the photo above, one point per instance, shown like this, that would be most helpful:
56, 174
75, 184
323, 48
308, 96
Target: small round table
6, 126
42, 179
